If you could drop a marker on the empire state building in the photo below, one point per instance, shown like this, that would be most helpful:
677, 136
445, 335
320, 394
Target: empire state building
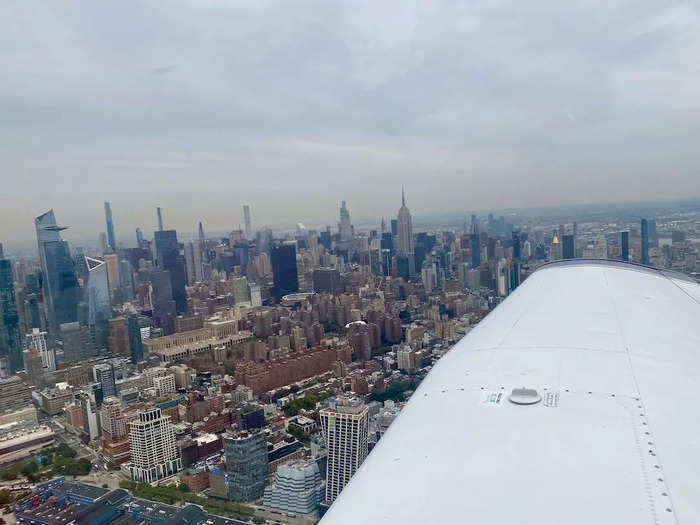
405, 234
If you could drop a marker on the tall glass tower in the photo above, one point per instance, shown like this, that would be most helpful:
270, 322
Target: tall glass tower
10, 340
169, 258
110, 228
60, 284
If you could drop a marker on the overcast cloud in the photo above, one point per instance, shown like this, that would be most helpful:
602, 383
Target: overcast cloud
200, 106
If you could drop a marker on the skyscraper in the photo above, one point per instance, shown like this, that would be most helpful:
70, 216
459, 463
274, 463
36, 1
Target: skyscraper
159, 213
404, 233
154, 452
345, 227
97, 297
625, 245
475, 249
169, 258
645, 242
164, 310
110, 227
134, 333
60, 284
247, 465
283, 258
568, 247
345, 430
246, 221
10, 339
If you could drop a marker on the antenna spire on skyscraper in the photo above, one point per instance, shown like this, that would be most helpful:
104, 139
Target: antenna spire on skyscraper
403, 197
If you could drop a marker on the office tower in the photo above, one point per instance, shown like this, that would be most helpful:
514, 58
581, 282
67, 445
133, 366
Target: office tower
139, 238
134, 334
394, 227
404, 234
247, 465
118, 337
97, 291
126, 281
10, 338
14, 393
36, 339
60, 284
625, 245
2, 252
193, 262
516, 245
240, 290
568, 247
358, 337
246, 221
164, 310
345, 430
327, 280
104, 375
653, 236
169, 259
283, 258
645, 242
154, 452
160, 219
33, 368
110, 228
345, 227
475, 249
297, 488
201, 231
575, 237
112, 263
75, 342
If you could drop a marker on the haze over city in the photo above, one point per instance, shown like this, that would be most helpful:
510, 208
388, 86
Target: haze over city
200, 107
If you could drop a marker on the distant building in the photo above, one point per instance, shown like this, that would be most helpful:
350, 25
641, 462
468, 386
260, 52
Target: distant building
168, 258
110, 227
164, 308
404, 234
37, 339
327, 280
164, 385
134, 335
297, 488
284, 270
246, 221
104, 375
625, 245
14, 393
247, 465
10, 338
345, 429
59, 281
75, 340
645, 242
154, 452
568, 247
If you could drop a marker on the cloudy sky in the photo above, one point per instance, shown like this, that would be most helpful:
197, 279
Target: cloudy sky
200, 106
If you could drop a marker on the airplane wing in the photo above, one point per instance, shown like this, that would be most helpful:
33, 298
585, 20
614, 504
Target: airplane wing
576, 401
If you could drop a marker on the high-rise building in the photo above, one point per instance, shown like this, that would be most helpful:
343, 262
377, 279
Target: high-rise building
327, 280
246, 221
247, 464
645, 242
154, 452
345, 430
568, 247
283, 258
97, 291
15, 394
164, 385
404, 234
2, 252
345, 227
110, 227
37, 339
104, 375
112, 264
159, 213
193, 262
625, 245
139, 238
134, 334
164, 310
10, 338
59, 281
74, 338
169, 258
126, 281
475, 250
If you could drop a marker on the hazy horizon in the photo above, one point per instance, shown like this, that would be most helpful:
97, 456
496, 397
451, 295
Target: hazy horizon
200, 107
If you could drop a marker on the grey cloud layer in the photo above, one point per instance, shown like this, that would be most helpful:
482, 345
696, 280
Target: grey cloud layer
200, 106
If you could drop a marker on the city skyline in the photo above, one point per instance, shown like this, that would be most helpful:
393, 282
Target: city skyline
469, 106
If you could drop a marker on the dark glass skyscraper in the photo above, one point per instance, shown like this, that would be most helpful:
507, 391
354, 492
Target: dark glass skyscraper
645, 242
476, 250
247, 464
110, 227
162, 301
134, 331
60, 284
10, 339
283, 258
568, 247
168, 258
625, 245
